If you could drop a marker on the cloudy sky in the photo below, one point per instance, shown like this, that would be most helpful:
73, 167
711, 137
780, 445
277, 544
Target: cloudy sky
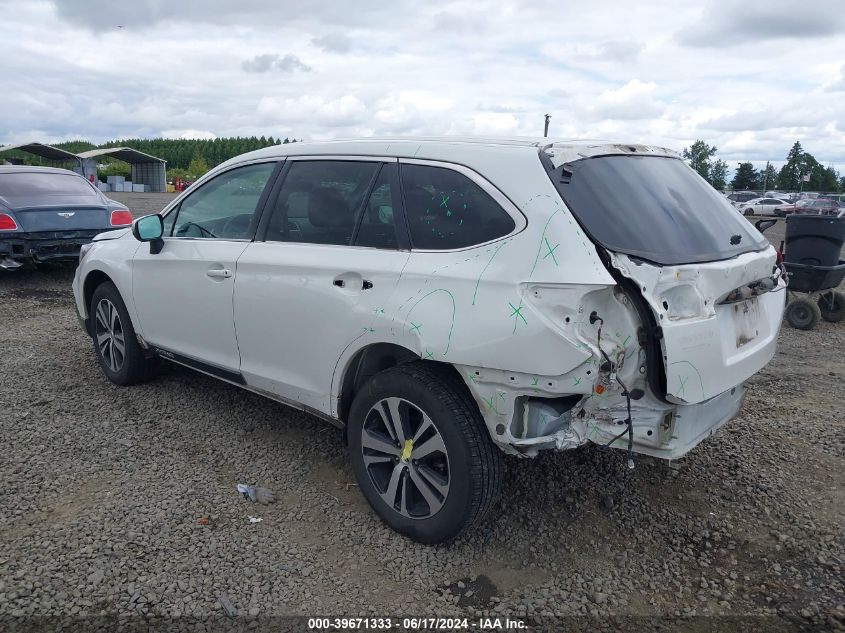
750, 76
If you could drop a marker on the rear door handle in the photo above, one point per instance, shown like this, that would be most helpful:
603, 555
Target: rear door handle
219, 273
367, 284
339, 283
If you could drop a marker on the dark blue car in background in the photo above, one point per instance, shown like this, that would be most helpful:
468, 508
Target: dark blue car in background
46, 214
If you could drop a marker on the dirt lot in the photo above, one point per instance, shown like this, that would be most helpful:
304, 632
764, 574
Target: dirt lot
104, 493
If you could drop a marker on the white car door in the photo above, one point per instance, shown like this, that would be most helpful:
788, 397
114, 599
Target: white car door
330, 257
183, 294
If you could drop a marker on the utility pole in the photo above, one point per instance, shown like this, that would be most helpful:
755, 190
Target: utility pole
765, 177
546, 128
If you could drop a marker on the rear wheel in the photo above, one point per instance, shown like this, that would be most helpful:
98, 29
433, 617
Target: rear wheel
422, 454
832, 306
121, 357
802, 314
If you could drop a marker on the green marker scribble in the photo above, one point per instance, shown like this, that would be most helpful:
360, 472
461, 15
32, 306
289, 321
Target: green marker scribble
551, 250
491, 404
484, 270
698, 373
540, 245
517, 314
451, 325
415, 327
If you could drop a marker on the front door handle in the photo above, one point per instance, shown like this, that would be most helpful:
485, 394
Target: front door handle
367, 284
219, 273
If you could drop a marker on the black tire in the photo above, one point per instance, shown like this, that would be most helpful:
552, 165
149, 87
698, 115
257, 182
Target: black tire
130, 367
748, 212
474, 463
802, 314
832, 306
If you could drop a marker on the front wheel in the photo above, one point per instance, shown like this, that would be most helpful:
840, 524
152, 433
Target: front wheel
802, 314
121, 357
421, 452
832, 306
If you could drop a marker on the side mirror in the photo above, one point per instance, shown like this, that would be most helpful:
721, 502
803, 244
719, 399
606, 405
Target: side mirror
150, 228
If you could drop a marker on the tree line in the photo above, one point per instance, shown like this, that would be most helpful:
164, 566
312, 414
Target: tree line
790, 177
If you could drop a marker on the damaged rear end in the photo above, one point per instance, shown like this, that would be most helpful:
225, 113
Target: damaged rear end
695, 312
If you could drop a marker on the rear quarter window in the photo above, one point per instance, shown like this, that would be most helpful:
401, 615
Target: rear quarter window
447, 210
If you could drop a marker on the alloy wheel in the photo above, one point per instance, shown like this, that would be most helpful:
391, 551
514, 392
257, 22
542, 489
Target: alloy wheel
111, 342
406, 458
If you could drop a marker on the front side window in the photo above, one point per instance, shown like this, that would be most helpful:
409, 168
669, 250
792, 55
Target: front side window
447, 210
224, 207
321, 201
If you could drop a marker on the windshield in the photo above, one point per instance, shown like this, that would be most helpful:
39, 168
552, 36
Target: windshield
38, 184
653, 207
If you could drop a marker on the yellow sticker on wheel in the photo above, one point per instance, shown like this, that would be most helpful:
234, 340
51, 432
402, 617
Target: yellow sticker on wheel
406, 450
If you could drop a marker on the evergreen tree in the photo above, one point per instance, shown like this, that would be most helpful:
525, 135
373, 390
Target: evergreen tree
791, 173
745, 177
719, 174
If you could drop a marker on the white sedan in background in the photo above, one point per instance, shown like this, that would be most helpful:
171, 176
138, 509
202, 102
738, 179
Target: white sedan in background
761, 206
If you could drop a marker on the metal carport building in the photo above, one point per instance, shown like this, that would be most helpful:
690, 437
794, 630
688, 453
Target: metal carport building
146, 170
49, 152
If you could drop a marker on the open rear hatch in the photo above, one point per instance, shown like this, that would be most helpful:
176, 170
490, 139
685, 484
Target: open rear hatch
710, 278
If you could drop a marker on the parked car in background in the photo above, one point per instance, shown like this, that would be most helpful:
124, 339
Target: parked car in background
821, 206
761, 206
47, 214
742, 196
781, 195
445, 301
791, 207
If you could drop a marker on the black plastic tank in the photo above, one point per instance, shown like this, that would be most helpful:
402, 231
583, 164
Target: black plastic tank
814, 240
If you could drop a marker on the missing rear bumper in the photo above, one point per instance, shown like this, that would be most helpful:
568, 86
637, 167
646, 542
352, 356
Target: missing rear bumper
45, 247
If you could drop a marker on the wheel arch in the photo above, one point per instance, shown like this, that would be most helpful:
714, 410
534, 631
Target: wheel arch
93, 280
372, 359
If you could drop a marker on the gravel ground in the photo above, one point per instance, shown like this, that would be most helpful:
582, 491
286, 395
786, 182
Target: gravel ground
122, 501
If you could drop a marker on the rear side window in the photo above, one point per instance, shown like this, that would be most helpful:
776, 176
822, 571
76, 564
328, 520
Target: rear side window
447, 210
321, 201
35, 184
653, 207
377, 228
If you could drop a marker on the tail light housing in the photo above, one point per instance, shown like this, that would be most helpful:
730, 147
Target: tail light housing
121, 217
7, 223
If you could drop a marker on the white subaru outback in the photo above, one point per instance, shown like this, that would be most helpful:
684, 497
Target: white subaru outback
446, 301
